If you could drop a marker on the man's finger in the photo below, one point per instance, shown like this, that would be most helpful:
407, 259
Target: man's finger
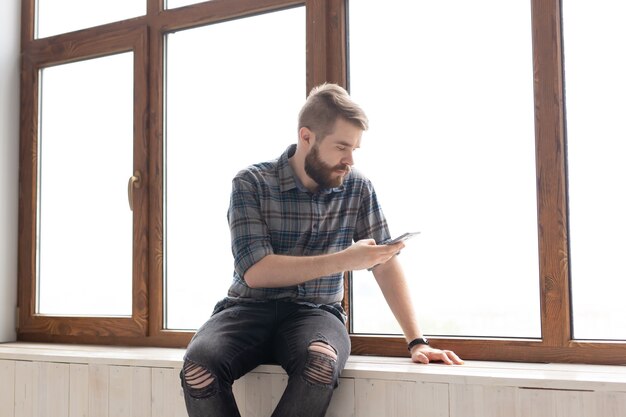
455, 358
420, 357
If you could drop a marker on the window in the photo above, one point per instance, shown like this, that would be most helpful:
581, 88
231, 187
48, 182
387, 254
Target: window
595, 87
147, 132
451, 154
55, 17
485, 103
77, 153
84, 223
171, 4
220, 119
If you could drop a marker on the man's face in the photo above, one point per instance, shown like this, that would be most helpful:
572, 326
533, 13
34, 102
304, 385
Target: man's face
330, 160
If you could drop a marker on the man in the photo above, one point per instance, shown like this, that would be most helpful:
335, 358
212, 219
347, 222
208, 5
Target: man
297, 223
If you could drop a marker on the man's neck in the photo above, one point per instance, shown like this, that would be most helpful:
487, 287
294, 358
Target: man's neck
297, 166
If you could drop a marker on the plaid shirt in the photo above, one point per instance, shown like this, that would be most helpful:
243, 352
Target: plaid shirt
272, 213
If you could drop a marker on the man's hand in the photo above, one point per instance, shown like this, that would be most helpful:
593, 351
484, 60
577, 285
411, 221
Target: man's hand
426, 354
366, 254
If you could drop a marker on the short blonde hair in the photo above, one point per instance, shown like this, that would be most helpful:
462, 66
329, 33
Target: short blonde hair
324, 105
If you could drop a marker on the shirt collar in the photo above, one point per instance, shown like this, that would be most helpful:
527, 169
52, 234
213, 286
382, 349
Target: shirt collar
289, 180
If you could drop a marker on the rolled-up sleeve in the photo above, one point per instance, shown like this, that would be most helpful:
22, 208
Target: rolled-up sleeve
250, 237
371, 222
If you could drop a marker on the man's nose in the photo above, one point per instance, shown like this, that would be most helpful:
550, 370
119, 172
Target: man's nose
348, 160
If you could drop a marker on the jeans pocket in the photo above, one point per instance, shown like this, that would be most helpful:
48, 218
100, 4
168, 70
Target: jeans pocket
222, 305
336, 310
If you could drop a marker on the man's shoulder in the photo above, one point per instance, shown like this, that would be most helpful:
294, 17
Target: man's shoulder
258, 171
271, 173
263, 178
357, 179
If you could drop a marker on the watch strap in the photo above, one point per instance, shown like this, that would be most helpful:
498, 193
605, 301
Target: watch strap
417, 341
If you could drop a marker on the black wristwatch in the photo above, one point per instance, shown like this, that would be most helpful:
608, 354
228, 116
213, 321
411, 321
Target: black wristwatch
418, 341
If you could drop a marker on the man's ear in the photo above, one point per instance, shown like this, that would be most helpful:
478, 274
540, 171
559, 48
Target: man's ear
306, 136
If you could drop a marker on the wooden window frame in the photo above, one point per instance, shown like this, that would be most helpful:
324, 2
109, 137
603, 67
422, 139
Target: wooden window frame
326, 56
63, 51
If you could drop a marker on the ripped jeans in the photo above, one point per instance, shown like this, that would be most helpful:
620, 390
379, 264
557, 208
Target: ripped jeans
310, 343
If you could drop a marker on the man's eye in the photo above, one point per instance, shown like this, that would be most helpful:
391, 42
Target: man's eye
341, 148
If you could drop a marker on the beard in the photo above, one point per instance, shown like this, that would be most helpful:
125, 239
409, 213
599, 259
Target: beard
324, 175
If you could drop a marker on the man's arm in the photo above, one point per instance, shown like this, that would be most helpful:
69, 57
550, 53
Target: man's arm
392, 282
282, 270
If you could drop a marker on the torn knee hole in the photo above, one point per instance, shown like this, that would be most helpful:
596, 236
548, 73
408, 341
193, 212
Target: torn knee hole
321, 364
323, 348
198, 380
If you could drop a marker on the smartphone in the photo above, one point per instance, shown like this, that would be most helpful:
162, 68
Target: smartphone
402, 238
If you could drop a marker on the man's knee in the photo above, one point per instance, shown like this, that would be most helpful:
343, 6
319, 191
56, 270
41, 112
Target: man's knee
198, 381
321, 364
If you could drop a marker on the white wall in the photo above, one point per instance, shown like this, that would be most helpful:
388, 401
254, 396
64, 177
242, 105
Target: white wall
9, 140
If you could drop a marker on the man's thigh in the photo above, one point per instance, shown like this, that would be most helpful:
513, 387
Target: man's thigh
304, 330
234, 340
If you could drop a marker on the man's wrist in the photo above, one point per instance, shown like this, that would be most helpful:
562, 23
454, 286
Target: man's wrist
417, 341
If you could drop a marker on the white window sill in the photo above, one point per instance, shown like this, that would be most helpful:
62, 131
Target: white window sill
526, 375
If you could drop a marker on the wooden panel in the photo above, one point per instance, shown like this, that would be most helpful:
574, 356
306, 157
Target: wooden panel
98, 390
536, 403
278, 382
375, 398
400, 398
258, 394
343, 403
480, 400
26, 380
257, 399
7, 392
574, 403
129, 391
40, 389
142, 392
433, 400
79, 390
610, 404
167, 394
120, 391
263, 392
556, 403
239, 391
53, 390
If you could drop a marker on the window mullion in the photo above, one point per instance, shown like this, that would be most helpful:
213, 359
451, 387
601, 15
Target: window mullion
551, 177
326, 42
